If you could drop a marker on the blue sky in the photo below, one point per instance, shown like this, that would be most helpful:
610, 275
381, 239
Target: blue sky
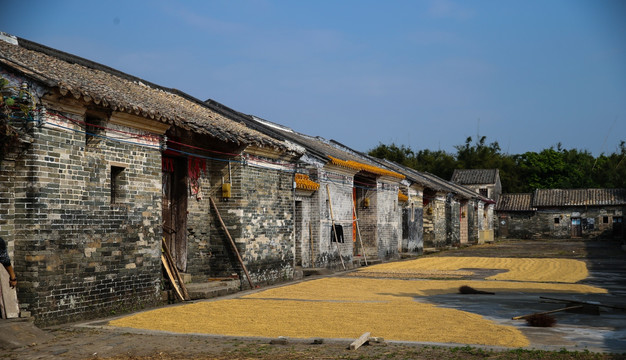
426, 74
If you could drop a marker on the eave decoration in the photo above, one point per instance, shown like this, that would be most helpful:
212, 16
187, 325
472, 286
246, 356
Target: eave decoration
304, 183
364, 167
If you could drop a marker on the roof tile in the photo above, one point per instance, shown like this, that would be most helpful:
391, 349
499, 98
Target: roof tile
80, 78
474, 176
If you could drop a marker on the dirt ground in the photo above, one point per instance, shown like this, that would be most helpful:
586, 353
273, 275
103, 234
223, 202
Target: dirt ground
576, 336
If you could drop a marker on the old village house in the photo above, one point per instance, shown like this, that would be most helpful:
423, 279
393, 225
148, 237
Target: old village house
563, 214
107, 165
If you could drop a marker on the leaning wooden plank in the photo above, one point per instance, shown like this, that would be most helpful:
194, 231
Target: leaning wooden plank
358, 230
360, 341
245, 270
171, 278
170, 259
547, 312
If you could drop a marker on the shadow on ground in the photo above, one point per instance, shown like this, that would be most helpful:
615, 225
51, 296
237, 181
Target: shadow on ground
603, 332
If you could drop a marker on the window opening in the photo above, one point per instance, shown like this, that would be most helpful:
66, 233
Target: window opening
557, 220
117, 183
339, 237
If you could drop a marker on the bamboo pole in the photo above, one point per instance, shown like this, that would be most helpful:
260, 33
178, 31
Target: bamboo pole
332, 217
170, 276
358, 231
231, 242
311, 245
170, 259
547, 312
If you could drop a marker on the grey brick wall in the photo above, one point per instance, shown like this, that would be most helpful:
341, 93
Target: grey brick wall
542, 223
77, 254
388, 221
259, 217
413, 223
453, 223
340, 186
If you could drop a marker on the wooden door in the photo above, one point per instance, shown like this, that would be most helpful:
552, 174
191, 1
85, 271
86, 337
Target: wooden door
175, 209
577, 230
503, 226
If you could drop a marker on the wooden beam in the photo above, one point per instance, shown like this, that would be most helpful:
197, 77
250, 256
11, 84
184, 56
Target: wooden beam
231, 242
360, 341
358, 230
170, 276
172, 264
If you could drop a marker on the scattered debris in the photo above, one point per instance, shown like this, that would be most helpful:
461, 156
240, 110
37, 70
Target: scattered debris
360, 341
379, 341
541, 320
281, 340
470, 290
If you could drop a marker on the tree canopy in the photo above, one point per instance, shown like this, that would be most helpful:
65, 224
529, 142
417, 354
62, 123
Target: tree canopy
552, 168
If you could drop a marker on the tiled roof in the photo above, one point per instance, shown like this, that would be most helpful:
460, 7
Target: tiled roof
355, 165
474, 176
579, 197
433, 182
515, 202
320, 148
94, 83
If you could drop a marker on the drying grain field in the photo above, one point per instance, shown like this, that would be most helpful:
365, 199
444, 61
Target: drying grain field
414, 304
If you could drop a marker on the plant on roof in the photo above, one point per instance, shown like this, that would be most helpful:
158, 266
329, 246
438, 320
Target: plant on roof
16, 108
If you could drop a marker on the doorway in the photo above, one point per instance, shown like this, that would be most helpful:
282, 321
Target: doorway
175, 208
577, 229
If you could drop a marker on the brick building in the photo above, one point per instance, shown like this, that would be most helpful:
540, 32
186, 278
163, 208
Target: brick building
107, 165
446, 214
360, 197
562, 214
486, 182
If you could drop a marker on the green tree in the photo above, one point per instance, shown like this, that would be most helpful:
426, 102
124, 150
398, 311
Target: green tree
552, 168
478, 155
399, 154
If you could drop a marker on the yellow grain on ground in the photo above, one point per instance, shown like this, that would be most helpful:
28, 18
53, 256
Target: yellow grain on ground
413, 274
342, 307
519, 269
364, 289
402, 320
